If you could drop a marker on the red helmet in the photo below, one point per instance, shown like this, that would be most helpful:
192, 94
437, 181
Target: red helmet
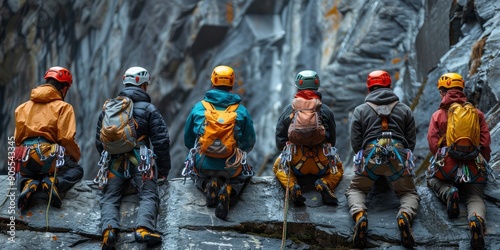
378, 78
60, 74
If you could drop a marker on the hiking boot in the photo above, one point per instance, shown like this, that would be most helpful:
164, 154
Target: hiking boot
405, 228
452, 200
48, 188
327, 195
476, 231
212, 192
297, 197
142, 235
109, 239
29, 188
223, 207
359, 237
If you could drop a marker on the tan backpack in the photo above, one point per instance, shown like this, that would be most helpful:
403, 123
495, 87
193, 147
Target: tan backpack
118, 133
306, 127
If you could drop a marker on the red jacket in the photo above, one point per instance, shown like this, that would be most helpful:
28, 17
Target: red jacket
438, 123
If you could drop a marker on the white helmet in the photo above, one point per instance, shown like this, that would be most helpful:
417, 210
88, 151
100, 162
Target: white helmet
136, 76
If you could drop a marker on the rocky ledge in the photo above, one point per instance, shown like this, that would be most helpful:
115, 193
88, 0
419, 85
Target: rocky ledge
255, 222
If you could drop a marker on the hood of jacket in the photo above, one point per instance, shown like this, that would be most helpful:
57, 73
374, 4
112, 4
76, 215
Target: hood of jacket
45, 93
136, 94
451, 96
382, 96
221, 98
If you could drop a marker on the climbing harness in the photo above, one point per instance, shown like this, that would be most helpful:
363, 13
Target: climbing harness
462, 171
384, 151
327, 150
234, 162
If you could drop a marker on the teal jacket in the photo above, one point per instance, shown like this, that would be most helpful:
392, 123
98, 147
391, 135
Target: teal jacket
244, 130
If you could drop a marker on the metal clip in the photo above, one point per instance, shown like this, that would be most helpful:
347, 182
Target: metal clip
60, 156
102, 175
247, 170
26, 155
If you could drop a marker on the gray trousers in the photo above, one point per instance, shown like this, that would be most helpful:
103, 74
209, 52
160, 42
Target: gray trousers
473, 195
148, 205
404, 187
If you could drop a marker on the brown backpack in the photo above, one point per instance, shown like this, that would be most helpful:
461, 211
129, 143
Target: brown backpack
306, 127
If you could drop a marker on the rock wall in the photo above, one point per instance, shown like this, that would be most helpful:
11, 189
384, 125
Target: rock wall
267, 43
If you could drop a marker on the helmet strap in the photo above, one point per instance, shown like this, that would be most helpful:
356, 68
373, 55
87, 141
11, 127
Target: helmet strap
144, 86
64, 91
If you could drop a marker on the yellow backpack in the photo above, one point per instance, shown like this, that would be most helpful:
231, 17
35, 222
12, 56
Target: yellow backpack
218, 138
463, 132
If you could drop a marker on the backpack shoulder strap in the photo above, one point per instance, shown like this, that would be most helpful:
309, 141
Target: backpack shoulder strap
383, 111
207, 105
210, 106
232, 107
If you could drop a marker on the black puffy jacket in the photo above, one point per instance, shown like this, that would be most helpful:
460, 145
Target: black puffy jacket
150, 123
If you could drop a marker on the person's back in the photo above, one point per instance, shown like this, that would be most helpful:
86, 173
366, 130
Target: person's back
310, 145
220, 177
383, 135
142, 165
450, 177
45, 136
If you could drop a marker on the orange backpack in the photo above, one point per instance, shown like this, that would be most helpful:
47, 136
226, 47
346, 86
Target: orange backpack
218, 138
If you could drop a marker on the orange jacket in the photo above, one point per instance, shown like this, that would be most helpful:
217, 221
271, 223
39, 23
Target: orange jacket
47, 115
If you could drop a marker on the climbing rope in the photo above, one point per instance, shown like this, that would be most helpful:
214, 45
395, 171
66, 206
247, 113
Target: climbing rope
59, 163
285, 212
8, 191
239, 156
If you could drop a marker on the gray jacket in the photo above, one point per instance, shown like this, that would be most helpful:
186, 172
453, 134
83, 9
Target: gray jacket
366, 125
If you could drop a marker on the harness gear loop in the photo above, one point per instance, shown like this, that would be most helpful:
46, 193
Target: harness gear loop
189, 164
102, 175
147, 160
359, 166
60, 155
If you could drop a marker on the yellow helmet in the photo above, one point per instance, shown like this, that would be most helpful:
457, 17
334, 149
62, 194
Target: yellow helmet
223, 76
451, 80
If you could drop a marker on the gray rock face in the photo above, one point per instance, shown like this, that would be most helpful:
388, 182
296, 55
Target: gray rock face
255, 222
180, 42
267, 43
